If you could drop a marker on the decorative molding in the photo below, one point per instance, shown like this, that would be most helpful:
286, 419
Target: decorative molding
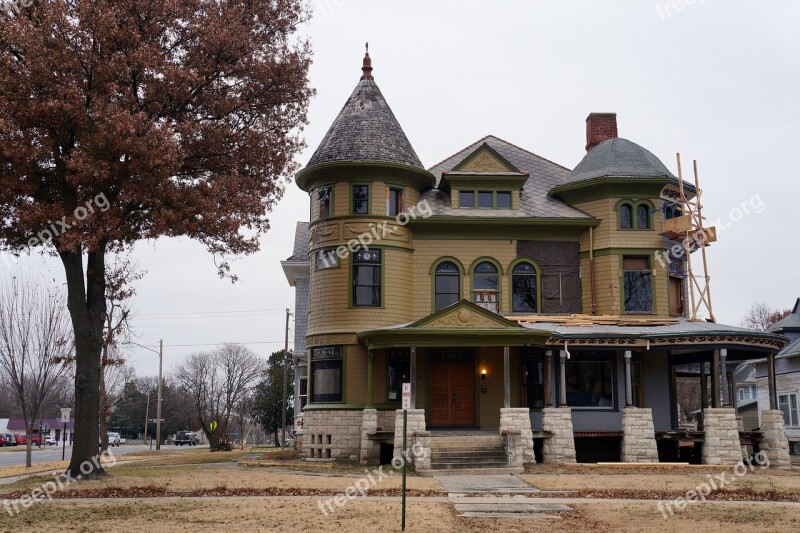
331, 339
329, 232
667, 341
485, 162
463, 317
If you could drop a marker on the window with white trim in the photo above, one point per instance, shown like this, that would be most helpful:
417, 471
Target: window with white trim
788, 404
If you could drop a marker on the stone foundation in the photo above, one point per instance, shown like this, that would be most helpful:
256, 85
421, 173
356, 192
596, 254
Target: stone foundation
639, 436
370, 448
516, 418
513, 444
774, 442
721, 444
421, 450
334, 434
560, 448
416, 423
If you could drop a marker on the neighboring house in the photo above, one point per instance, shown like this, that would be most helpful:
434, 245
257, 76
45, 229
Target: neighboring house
461, 279
744, 377
787, 377
55, 428
296, 270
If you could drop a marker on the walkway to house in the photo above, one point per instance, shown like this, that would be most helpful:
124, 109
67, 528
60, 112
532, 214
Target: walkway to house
497, 497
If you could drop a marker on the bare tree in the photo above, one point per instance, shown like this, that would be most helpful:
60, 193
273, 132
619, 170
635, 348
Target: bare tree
216, 381
36, 344
761, 316
121, 274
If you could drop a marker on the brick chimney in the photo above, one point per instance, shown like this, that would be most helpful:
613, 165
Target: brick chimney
600, 127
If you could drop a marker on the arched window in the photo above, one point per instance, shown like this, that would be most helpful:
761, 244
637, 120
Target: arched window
447, 284
626, 216
523, 289
485, 286
642, 216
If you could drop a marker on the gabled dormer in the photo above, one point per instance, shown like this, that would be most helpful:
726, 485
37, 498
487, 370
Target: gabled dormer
484, 180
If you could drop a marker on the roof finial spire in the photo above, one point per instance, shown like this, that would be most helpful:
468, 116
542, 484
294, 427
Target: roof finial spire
366, 69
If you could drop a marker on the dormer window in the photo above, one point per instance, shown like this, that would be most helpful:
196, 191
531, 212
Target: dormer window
466, 199
485, 199
503, 199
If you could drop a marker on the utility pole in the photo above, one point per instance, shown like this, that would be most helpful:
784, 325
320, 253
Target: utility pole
158, 406
146, 418
285, 379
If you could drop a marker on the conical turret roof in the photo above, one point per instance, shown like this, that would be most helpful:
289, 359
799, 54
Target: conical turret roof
366, 129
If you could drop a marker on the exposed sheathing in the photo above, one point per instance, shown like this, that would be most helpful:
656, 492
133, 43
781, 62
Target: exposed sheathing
561, 269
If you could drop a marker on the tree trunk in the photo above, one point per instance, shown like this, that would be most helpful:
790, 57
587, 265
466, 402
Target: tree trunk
87, 307
104, 411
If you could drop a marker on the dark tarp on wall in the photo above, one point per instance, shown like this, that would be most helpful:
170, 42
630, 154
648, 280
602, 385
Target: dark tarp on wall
561, 269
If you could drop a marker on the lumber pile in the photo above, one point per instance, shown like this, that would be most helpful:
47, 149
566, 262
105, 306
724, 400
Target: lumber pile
596, 320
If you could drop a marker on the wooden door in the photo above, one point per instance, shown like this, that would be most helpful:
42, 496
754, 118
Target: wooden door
675, 296
452, 398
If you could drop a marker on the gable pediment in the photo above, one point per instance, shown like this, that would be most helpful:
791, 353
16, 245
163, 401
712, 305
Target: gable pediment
465, 314
485, 159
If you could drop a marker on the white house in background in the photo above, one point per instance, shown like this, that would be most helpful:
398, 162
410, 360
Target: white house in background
4, 425
787, 377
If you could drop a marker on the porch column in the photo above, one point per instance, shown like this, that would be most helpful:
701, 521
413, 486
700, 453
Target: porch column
703, 394
773, 397
563, 379
412, 370
628, 382
723, 363
547, 375
715, 380
370, 362
506, 378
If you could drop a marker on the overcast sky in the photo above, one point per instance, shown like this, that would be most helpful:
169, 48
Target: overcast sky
717, 80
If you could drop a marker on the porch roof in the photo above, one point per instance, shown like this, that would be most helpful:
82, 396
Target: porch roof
466, 324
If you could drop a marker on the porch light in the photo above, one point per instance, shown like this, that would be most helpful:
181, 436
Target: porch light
483, 373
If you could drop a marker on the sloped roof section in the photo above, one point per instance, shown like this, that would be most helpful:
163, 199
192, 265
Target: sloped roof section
619, 158
790, 322
544, 175
366, 130
300, 249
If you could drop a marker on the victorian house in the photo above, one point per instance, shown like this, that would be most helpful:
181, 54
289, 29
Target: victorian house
537, 311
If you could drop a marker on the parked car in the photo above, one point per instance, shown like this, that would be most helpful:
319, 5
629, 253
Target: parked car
11, 440
185, 437
3, 440
113, 439
50, 441
21, 439
122, 441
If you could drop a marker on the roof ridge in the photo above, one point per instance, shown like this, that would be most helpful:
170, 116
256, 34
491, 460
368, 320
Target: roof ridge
532, 153
457, 152
483, 139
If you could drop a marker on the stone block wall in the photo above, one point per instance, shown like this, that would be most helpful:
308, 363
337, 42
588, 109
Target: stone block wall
416, 423
774, 442
721, 445
332, 434
639, 437
516, 418
370, 448
560, 448
512, 442
421, 449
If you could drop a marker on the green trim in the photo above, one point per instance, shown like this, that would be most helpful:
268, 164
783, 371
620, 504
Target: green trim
402, 188
432, 277
449, 337
611, 187
654, 302
485, 148
588, 222
350, 295
500, 278
634, 205
479, 190
602, 252
414, 177
538, 268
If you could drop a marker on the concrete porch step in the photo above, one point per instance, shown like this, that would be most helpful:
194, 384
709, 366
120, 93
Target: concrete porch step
495, 458
492, 440
472, 514
468, 465
466, 449
470, 471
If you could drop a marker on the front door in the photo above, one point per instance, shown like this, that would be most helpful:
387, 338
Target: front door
452, 399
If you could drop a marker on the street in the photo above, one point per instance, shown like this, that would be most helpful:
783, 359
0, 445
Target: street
11, 456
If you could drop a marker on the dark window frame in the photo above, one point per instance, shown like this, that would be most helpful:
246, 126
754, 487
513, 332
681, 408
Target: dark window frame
362, 209
327, 358
608, 361
514, 286
639, 281
325, 198
396, 205
364, 259
449, 274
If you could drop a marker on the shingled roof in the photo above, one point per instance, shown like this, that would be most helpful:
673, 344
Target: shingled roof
619, 158
535, 203
366, 130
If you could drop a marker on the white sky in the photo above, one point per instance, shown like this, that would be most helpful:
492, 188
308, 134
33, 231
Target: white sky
717, 80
